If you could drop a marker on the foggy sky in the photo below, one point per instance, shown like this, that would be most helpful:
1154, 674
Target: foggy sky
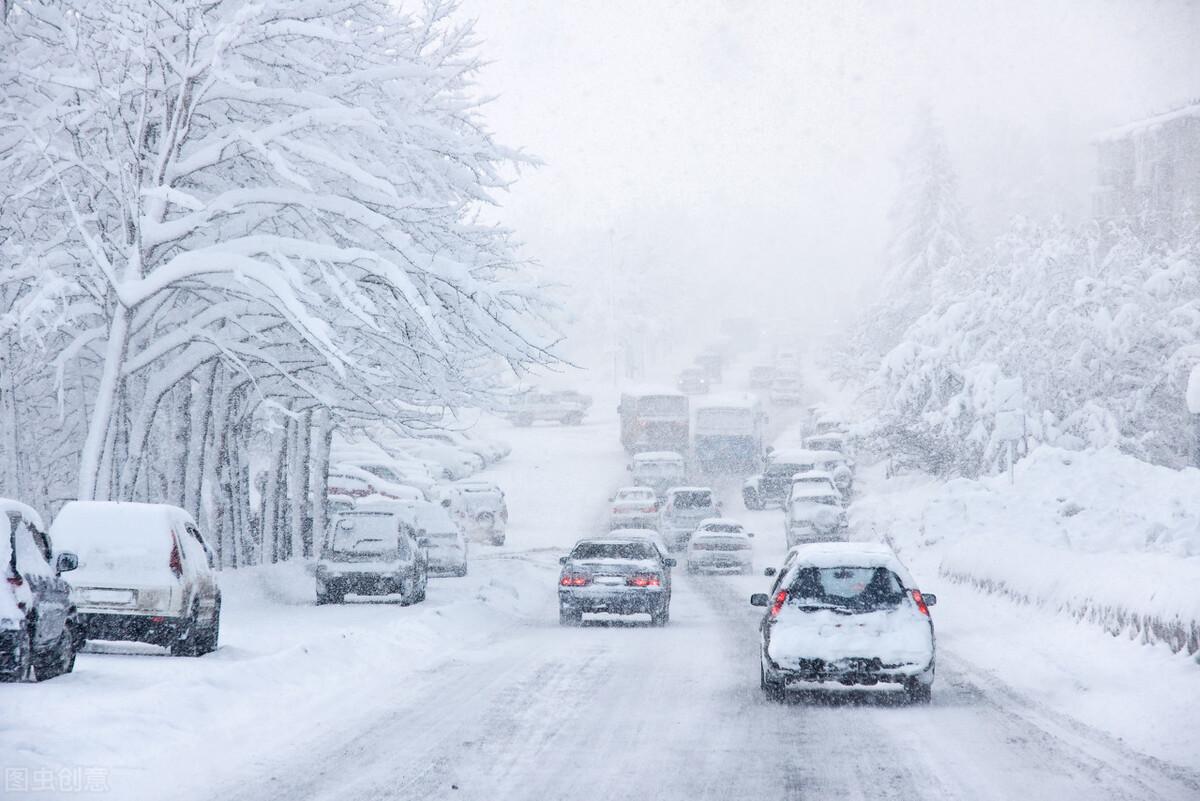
753, 146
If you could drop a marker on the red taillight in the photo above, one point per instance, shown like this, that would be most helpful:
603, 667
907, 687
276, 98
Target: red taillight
575, 580
642, 580
916, 594
176, 563
648, 511
780, 597
16, 580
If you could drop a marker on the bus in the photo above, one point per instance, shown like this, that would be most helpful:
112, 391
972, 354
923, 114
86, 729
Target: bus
727, 434
654, 419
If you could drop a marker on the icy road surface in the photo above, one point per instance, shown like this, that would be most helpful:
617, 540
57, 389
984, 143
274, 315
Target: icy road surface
479, 693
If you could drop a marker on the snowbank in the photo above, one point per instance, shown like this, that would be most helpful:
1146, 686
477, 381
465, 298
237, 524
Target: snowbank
1097, 535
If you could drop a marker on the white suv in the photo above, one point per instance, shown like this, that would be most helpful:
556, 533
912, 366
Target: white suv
145, 574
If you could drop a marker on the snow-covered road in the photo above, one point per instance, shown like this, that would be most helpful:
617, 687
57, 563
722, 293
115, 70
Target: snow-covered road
479, 693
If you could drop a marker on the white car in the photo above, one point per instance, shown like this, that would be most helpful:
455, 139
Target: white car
720, 544
634, 507
845, 614
478, 508
445, 543
815, 514
801, 482
453, 462
145, 574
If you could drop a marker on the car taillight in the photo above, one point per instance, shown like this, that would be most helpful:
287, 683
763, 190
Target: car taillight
745, 546
642, 580
176, 564
780, 597
648, 511
575, 579
699, 546
916, 594
16, 581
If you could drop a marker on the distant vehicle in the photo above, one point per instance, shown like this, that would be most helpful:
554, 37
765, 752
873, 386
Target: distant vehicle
145, 574
490, 451
815, 514
654, 420
727, 434
720, 544
694, 381
762, 376
634, 507
831, 441
848, 613
659, 470
446, 544
371, 552
620, 576
681, 510
711, 362
787, 360
361, 480
813, 478
39, 627
479, 509
453, 462
771, 487
532, 406
786, 390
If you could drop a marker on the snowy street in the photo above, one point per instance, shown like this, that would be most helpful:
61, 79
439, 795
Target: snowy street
479, 693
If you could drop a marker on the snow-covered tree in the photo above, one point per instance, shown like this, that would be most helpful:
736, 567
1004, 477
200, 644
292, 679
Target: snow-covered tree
248, 210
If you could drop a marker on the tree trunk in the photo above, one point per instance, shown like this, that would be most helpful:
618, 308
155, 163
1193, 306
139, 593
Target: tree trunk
320, 475
201, 390
301, 522
100, 427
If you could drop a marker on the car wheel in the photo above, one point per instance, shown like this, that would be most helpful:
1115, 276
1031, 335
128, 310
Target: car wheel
661, 615
569, 615
750, 499
918, 694
773, 690
573, 419
462, 571
188, 644
23, 665
424, 588
58, 660
209, 635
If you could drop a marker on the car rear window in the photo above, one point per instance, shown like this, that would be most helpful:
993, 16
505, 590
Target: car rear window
692, 500
854, 588
613, 550
369, 534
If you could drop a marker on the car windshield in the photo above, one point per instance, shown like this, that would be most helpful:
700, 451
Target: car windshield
373, 534
724, 528
862, 589
613, 550
661, 406
657, 468
785, 469
695, 499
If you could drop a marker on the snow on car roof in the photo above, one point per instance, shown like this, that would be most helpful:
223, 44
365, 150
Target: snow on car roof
723, 521
813, 476
635, 491
729, 400
804, 489
9, 505
805, 455
851, 554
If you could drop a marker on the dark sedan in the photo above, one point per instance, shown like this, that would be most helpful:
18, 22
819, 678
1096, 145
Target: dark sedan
619, 576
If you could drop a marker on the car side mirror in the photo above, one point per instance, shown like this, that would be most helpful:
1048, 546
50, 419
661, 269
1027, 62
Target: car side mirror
670, 562
66, 562
424, 542
446, 502
562, 560
770, 571
930, 600
760, 599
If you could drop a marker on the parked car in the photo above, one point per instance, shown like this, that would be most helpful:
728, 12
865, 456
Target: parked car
621, 576
365, 479
720, 544
446, 544
478, 508
531, 406
146, 574
371, 552
815, 514
693, 381
848, 613
490, 451
452, 462
771, 486
659, 470
634, 507
681, 511
39, 626
405, 471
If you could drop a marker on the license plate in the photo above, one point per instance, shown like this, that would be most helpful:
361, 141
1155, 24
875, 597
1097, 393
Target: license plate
121, 597
611, 580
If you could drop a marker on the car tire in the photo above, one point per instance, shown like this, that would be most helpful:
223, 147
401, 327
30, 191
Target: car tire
569, 615
462, 571
188, 644
772, 690
423, 592
23, 669
210, 634
918, 694
661, 615
573, 419
331, 597
58, 660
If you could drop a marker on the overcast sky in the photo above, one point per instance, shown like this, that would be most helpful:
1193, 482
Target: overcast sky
753, 146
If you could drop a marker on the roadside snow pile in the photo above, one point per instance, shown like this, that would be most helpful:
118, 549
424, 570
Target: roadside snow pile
1099, 535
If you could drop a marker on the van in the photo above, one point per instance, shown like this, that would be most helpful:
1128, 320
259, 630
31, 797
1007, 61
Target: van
145, 574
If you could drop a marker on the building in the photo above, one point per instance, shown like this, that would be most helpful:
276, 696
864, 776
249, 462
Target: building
1149, 173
